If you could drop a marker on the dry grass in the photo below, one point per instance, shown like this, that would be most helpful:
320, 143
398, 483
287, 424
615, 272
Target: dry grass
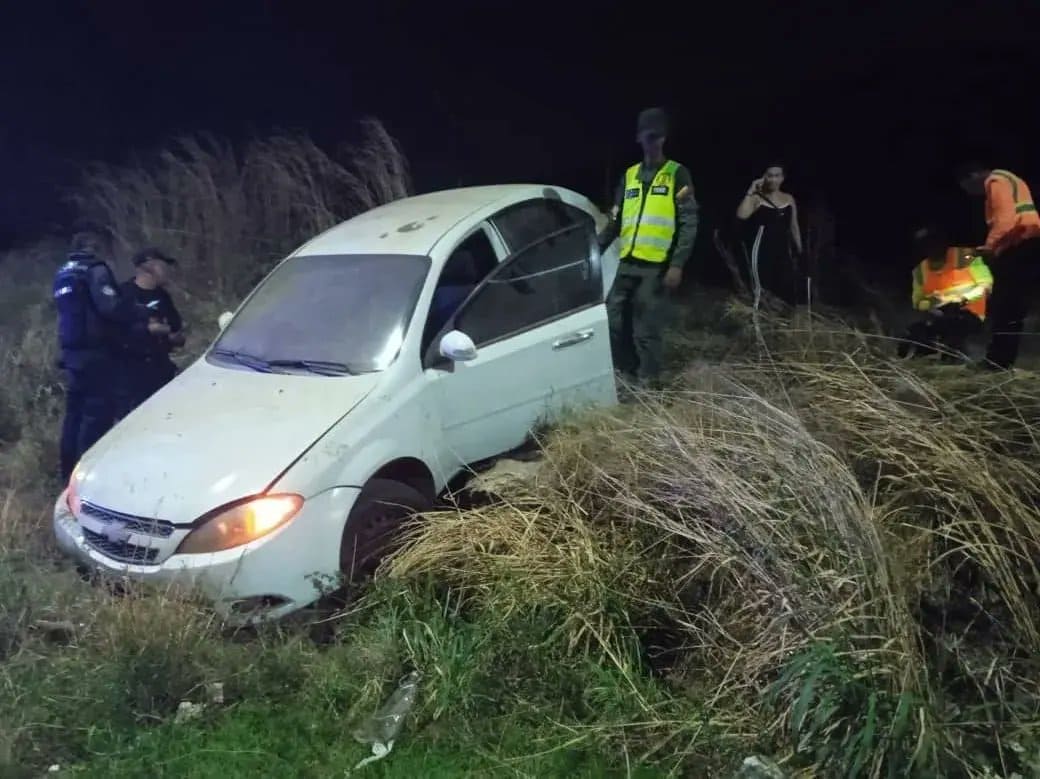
228, 215
840, 554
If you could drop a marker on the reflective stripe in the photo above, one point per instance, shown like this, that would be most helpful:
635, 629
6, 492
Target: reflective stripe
963, 290
1023, 206
1011, 177
968, 295
657, 243
657, 221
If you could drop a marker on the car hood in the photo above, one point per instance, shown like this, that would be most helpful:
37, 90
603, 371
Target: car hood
212, 436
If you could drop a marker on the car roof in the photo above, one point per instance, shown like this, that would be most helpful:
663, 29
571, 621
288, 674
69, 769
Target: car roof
413, 225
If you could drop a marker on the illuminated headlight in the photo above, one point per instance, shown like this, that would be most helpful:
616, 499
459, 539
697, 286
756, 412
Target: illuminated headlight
72, 499
241, 523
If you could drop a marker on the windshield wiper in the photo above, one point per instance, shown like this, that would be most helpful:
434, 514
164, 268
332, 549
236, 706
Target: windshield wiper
248, 360
320, 367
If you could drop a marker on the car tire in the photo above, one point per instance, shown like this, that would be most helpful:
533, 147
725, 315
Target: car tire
372, 526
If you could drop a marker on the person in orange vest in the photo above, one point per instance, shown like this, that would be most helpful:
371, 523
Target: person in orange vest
1013, 250
952, 285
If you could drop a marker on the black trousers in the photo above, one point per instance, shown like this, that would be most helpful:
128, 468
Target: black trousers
90, 402
140, 380
1016, 284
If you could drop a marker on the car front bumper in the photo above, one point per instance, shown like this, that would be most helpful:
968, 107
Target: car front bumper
263, 580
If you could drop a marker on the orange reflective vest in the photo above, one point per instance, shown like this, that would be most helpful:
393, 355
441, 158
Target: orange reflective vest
1010, 212
962, 276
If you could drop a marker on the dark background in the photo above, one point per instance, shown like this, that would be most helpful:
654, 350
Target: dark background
869, 105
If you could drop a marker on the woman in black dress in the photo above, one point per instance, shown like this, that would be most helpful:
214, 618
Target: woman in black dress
770, 223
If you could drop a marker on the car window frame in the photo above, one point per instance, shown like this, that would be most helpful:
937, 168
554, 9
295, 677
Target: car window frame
584, 216
433, 358
501, 250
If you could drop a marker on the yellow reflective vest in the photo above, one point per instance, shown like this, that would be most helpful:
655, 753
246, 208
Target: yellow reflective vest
648, 217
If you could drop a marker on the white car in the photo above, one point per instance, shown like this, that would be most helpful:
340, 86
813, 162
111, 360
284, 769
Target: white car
365, 372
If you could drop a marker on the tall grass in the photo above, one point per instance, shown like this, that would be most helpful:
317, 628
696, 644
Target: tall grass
821, 547
231, 214
228, 214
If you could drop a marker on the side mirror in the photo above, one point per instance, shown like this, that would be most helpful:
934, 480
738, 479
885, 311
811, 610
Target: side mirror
458, 347
223, 319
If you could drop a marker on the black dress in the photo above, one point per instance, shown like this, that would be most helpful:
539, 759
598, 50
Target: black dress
767, 252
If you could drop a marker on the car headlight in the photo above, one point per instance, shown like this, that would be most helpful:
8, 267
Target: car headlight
72, 499
241, 523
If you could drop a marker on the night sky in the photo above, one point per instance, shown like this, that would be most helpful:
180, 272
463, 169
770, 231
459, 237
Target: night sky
869, 105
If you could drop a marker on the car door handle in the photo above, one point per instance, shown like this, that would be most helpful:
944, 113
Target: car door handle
573, 339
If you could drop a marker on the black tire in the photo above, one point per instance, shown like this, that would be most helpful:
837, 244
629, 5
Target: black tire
372, 526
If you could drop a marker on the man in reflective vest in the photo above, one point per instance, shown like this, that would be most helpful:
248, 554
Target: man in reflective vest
952, 287
1013, 250
655, 220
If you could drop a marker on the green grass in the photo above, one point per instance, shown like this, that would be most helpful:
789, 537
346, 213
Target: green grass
289, 740
104, 705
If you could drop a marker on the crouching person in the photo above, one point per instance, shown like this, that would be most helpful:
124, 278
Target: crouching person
952, 290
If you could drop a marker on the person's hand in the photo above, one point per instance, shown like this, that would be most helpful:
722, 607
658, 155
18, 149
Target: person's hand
755, 188
673, 278
158, 328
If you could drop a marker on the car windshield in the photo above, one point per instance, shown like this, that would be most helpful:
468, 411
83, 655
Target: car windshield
326, 314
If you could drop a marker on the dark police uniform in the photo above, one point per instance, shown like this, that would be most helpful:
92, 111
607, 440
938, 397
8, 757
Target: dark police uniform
92, 316
146, 358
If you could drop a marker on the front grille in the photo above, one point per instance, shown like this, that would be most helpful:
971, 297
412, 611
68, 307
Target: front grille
118, 526
140, 525
120, 550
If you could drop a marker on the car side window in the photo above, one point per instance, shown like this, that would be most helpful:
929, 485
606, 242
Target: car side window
550, 278
522, 224
463, 271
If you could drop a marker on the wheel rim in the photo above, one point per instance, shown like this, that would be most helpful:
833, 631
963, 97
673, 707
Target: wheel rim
373, 539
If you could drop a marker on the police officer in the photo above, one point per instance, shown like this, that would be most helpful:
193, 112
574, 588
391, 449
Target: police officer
147, 366
92, 313
655, 217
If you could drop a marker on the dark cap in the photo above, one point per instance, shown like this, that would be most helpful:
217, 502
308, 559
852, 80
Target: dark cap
652, 121
152, 253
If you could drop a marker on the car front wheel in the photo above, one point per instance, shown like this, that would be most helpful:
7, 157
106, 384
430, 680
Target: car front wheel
372, 526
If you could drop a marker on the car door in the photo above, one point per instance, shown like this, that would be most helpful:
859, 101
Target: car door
587, 375
540, 327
